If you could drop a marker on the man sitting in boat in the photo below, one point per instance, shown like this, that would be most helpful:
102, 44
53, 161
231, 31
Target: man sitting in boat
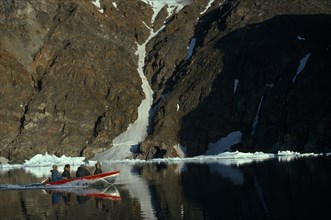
82, 171
97, 168
55, 174
66, 172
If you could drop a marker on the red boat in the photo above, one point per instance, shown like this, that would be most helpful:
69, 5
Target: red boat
106, 178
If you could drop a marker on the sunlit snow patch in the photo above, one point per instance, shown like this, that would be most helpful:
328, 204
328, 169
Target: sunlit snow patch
174, 6
115, 5
126, 143
97, 4
207, 7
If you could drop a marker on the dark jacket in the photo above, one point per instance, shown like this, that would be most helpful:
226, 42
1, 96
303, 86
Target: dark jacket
82, 171
55, 175
97, 171
66, 174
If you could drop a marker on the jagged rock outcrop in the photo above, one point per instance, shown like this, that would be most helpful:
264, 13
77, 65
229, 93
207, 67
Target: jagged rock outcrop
69, 82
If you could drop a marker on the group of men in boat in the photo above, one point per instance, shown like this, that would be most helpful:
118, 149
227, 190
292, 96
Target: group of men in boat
81, 171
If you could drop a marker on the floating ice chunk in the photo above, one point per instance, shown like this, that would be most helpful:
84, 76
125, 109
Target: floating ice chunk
287, 156
49, 160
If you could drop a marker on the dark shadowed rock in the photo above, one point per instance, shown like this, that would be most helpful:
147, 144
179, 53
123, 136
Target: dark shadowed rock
247, 42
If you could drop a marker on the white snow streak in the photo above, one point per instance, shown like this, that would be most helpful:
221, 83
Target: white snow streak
257, 115
301, 66
235, 85
207, 7
172, 6
115, 5
190, 48
127, 143
300, 38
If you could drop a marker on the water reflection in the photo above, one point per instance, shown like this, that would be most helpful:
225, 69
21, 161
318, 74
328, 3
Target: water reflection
83, 194
213, 190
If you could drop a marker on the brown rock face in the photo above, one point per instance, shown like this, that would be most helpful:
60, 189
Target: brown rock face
69, 81
64, 84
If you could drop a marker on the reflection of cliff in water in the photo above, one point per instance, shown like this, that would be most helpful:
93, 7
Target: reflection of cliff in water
84, 194
268, 189
206, 190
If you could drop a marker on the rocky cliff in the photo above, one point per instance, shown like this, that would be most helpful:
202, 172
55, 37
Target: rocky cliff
69, 81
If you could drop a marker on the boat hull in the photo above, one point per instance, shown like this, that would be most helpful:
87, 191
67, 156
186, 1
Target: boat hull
101, 179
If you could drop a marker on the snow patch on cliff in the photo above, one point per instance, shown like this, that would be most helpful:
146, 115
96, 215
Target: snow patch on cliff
300, 38
126, 143
190, 48
235, 85
224, 144
97, 4
115, 5
301, 66
173, 6
207, 7
257, 116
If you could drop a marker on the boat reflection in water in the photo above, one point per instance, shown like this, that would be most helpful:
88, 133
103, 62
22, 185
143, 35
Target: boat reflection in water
83, 194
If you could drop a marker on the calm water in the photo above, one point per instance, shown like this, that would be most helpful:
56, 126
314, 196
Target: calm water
300, 189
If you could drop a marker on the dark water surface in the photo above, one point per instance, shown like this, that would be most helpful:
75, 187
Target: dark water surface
300, 189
